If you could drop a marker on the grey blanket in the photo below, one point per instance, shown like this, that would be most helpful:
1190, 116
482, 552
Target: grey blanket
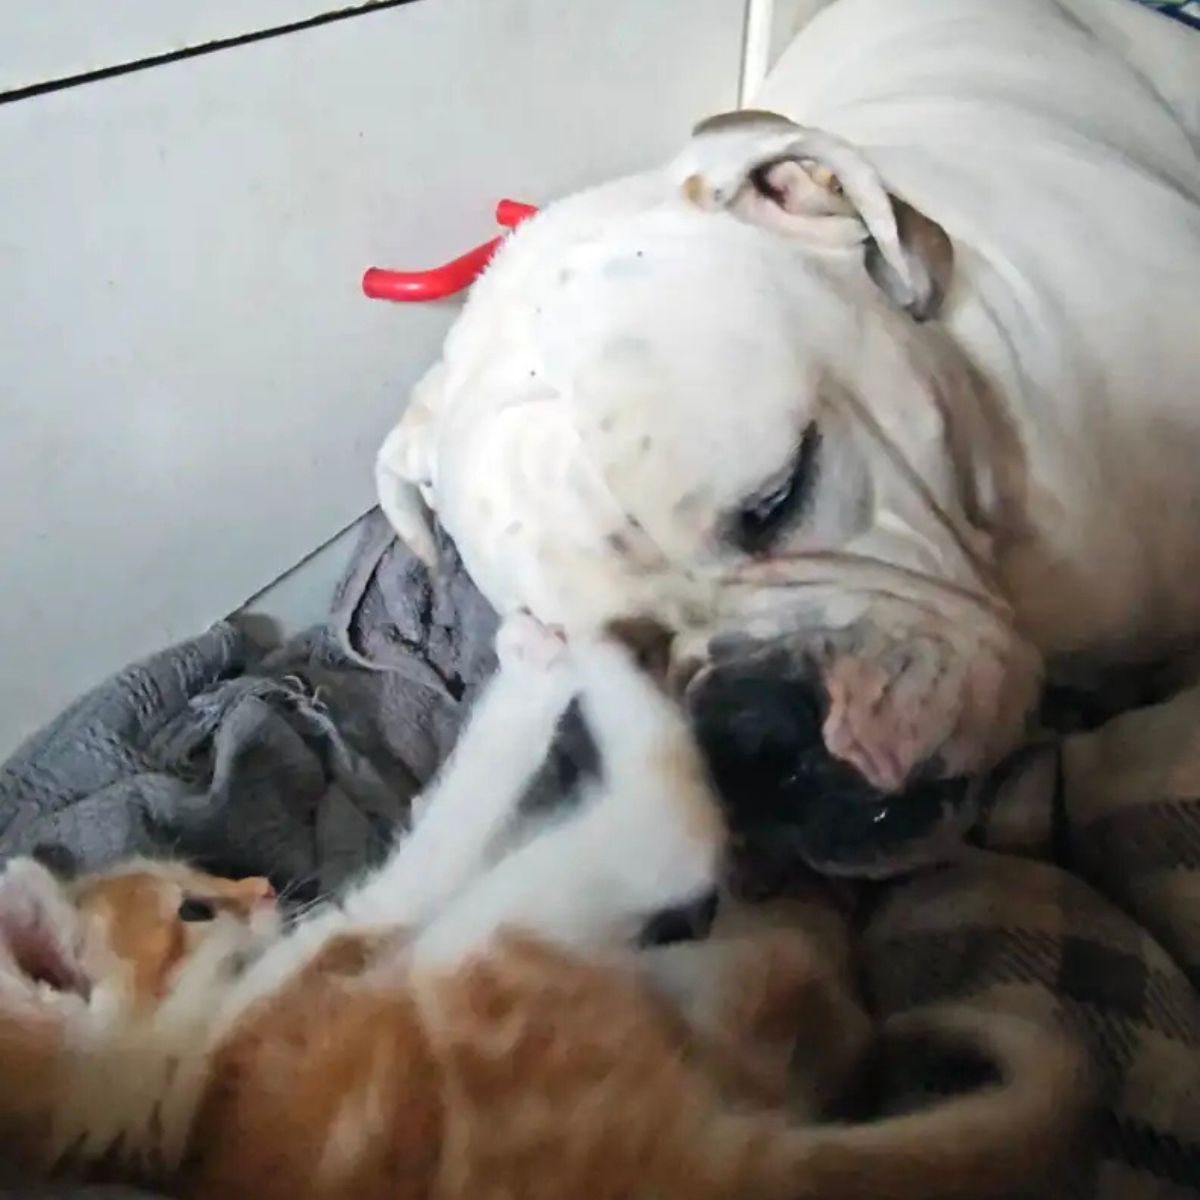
296, 764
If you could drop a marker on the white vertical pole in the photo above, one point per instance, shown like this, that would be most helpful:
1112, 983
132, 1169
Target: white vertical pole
756, 47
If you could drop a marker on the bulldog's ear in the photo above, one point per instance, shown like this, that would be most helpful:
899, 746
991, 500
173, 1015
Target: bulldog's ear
772, 172
402, 467
929, 258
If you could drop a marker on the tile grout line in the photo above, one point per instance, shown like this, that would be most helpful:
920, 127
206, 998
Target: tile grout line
29, 91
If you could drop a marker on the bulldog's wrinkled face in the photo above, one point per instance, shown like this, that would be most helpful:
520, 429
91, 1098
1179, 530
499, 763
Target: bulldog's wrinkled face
713, 395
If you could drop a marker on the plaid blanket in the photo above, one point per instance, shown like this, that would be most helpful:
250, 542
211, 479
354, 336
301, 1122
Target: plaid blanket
1084, 898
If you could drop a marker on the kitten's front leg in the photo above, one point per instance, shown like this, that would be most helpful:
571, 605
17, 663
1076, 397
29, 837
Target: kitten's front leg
660, 801
476, 793
649, 837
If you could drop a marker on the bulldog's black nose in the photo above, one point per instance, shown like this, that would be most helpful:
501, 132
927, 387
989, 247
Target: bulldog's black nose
759, 727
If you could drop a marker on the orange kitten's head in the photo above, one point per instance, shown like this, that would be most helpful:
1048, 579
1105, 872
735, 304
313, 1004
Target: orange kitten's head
132, 928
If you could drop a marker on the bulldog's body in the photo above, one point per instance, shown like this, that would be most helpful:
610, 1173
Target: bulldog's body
883, 420
1071, 192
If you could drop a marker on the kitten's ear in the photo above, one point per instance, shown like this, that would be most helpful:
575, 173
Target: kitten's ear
40, 928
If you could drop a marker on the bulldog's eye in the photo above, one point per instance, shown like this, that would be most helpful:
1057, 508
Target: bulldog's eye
764, 515
192, 908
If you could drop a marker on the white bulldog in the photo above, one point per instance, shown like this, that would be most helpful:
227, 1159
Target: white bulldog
886, 405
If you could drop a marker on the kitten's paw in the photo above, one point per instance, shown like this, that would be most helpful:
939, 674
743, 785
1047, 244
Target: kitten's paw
523, 643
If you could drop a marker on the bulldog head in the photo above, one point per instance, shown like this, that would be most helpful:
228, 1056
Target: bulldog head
717, 395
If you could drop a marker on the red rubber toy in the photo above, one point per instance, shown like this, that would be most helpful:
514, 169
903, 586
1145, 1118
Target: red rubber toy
451, 277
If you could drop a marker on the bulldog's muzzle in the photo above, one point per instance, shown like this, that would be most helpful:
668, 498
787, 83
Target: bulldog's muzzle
759, 723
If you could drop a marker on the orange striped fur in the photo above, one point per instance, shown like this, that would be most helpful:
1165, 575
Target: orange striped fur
528, 1072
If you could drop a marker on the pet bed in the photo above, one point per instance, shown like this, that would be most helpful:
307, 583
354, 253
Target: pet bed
1086, 887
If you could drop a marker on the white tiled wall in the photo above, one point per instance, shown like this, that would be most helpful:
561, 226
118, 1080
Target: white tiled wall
191, 387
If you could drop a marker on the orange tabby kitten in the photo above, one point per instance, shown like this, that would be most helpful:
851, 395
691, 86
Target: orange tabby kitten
473, 1020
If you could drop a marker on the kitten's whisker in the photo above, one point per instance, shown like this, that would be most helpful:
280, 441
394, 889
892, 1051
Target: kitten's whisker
290, 888
304, 910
